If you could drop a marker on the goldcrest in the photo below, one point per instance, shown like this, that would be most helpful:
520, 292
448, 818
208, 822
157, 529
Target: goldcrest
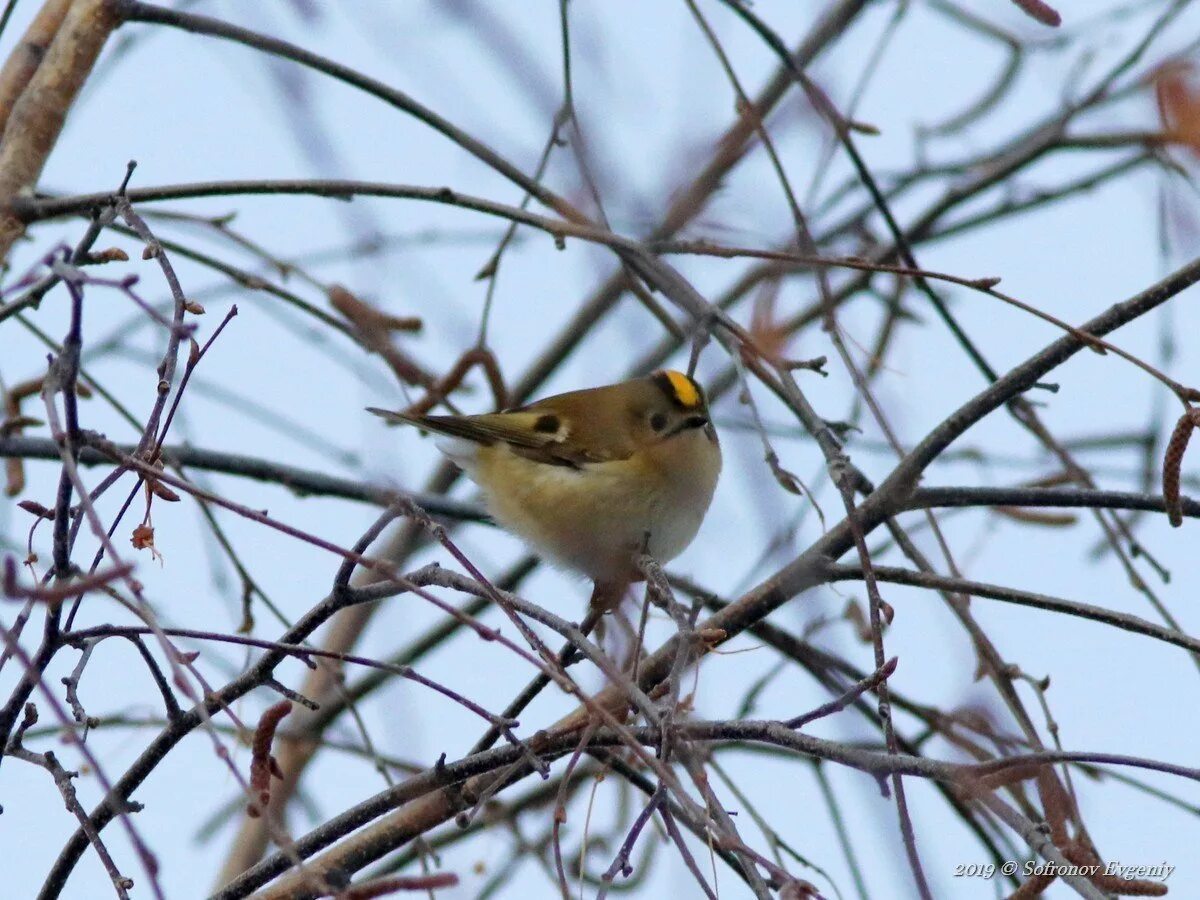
592, 478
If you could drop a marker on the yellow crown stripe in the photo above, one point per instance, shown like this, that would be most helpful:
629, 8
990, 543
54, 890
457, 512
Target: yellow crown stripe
685, 389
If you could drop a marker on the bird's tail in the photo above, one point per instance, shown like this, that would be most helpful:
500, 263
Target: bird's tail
451, 426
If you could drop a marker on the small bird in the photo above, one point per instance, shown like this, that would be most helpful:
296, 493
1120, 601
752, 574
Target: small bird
592, 478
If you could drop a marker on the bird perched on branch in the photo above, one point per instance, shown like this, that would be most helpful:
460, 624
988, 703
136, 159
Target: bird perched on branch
591, 479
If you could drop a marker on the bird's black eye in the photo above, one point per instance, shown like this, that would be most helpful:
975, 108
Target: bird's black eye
658, 421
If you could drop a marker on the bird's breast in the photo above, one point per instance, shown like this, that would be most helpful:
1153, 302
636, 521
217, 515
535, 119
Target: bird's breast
594, 518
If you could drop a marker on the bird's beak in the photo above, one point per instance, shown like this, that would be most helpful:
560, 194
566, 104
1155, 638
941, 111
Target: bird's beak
695, 421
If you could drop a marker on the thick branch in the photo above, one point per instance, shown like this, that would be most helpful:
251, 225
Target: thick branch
25, 58
38, 115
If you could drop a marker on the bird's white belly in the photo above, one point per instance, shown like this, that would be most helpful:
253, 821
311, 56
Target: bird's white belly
593, 521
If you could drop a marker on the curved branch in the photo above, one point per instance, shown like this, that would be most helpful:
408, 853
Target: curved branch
136, 11
1135, 624
1073, 498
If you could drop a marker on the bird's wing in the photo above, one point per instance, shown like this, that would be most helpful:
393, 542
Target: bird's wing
531, 432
